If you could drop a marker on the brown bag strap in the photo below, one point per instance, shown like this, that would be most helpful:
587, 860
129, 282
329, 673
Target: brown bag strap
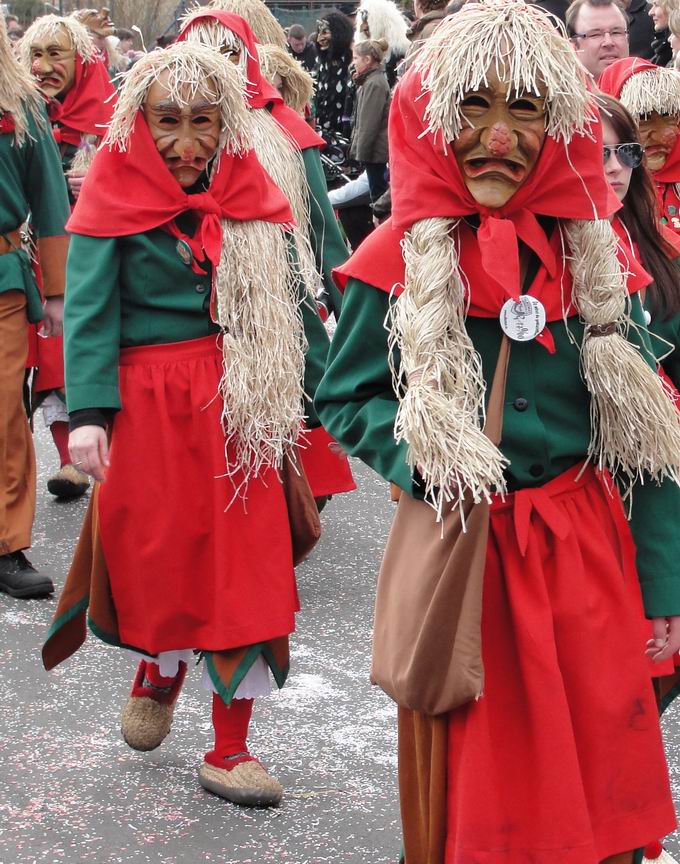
494, 411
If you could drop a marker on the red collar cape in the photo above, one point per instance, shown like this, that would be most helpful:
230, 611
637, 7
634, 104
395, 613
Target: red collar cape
88, 105
567, 182
611, 81
133, 192
260, 93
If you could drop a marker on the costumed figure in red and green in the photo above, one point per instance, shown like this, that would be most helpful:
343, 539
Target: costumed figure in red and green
65, 64
652, 95
501, 208
31, 185
187, 326
288, 149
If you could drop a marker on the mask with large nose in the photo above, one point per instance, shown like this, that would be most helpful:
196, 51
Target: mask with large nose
501, 139
186, 131
53, 63
658, 134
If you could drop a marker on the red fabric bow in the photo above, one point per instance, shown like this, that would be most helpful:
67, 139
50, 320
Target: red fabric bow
133, 192
88, 105
260, 93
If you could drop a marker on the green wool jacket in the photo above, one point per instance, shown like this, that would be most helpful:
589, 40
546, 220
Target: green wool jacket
137, 290
32, 182
546, 422
329, 248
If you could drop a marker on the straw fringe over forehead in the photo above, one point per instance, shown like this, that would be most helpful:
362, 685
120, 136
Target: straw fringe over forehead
198, 67
264, 25
520, 43
652, 90
211, 32
19, 95
385, 21
297, 86
52, 25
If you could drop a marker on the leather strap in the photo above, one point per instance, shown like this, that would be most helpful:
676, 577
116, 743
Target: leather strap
10, 242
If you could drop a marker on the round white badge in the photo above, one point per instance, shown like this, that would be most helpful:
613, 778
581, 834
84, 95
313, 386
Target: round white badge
523, 320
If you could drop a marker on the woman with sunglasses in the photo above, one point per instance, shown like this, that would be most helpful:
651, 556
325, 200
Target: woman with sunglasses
657, 248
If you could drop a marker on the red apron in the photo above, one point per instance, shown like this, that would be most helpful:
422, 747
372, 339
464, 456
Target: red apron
186, 569
561, 761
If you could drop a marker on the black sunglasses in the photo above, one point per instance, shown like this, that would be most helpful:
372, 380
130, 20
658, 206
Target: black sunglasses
629, 155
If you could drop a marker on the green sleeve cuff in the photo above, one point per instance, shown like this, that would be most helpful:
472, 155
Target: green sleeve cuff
92, 395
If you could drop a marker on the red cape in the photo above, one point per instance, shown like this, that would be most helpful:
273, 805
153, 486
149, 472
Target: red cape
133, 192
260, 93
611, 81
88, 105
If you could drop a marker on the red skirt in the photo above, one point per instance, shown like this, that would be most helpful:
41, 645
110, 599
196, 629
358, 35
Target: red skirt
46, 355
186, 569
328, 472
561, 760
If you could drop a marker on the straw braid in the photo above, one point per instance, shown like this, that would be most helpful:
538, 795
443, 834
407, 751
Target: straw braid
441, 412
635, 426
258, 308
19, 95
52, 25
297, 85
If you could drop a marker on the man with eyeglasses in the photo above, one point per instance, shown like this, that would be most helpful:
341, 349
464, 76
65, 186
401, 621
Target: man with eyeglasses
598, 29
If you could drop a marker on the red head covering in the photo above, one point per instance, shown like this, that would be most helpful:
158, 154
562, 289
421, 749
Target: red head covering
567, 182
88, 105
132, 192
260, 93
611, 81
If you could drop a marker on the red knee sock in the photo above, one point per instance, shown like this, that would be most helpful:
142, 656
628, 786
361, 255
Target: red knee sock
230, 723
59, 432
150, 683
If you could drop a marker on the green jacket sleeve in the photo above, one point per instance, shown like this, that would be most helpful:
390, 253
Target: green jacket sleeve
655, 517
668, 332
45, 185
92, 323
329, 248
315, 357
355, 400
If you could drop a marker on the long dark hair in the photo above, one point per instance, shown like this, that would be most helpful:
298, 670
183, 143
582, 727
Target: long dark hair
640, 214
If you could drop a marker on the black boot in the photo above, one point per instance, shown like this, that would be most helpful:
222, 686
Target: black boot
19, 578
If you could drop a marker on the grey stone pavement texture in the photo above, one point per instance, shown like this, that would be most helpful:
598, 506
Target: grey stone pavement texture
71, 790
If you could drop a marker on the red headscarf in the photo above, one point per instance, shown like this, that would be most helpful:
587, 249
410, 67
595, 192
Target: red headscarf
132, 192
88, 105
567, 182
260, 93
611, 81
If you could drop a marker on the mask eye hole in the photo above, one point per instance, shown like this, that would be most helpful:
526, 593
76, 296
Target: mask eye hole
524, 109
168, 120
475, 105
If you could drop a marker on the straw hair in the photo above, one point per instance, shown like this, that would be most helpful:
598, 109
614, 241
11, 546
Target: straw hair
652, 90
297, 86
264, 25
441, 409
385, 21
204, 72
51, 25
635, 426
520, 43
258, 308
209, 31
277, 153
674, 21
19, 95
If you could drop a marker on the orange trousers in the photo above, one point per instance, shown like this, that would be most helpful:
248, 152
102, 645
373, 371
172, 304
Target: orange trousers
17, 457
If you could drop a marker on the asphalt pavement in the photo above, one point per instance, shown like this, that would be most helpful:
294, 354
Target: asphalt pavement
72, 791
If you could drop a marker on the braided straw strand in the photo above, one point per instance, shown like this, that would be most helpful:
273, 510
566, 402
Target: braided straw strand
635, 426
441, 412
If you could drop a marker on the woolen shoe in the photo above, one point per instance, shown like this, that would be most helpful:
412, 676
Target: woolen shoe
19, 578
68, 482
